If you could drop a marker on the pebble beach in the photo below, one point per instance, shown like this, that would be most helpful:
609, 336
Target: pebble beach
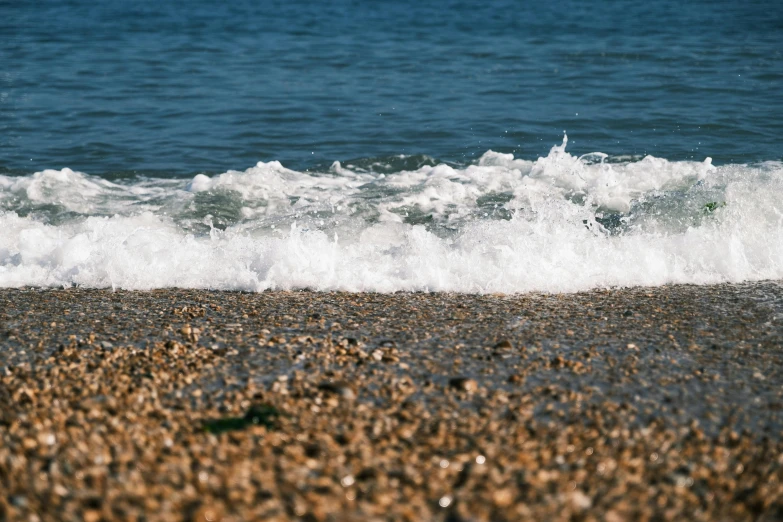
626, 404
391, 261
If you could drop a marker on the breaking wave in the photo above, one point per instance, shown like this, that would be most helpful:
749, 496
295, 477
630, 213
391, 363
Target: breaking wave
560, 223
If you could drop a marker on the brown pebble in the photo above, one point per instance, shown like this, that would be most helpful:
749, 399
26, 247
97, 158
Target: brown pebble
463, 384
503, 497
339, 388
516, 379
504, 344
92, 515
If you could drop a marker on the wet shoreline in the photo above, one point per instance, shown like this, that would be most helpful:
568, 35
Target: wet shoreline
631, 403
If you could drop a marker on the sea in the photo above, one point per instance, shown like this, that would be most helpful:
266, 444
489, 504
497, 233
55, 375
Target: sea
410, 145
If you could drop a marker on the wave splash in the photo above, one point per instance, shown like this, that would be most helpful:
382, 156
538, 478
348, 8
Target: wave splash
558, 224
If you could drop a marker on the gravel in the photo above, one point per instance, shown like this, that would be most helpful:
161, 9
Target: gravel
624, 404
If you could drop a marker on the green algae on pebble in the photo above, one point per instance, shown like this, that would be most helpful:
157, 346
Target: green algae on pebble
261, 415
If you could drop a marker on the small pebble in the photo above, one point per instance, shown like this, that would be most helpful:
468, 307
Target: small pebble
463, 384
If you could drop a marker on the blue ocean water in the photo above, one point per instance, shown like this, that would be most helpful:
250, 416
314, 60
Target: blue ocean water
400, 145
177, 88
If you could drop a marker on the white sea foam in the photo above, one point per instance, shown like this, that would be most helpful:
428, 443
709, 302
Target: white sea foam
560, 223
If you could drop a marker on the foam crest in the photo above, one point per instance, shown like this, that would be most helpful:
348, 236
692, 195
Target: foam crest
560, 223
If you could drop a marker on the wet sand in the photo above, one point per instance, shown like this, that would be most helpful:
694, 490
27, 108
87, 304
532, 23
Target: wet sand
633, 404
